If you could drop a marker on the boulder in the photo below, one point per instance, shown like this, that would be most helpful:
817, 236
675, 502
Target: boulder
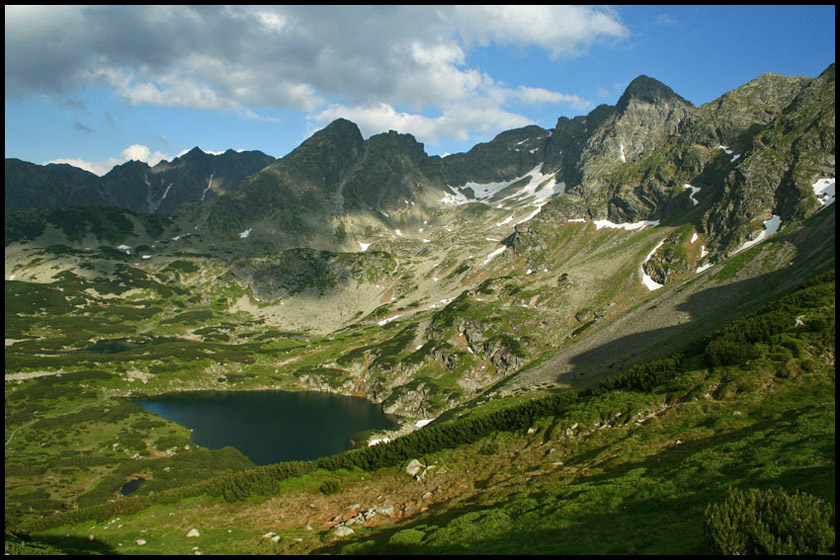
342, 531
414, 467
387, 511
193, 533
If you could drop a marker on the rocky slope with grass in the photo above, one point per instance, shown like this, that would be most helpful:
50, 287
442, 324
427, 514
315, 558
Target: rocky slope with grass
541, 261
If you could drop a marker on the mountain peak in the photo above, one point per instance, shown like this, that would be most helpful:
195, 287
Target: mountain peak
342, 125
195, 152
645, 88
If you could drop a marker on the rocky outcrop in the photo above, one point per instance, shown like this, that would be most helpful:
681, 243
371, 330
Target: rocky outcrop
669, 261
296, 270
777, 163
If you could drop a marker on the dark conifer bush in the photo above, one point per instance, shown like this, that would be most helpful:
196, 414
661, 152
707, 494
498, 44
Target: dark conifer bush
770, 522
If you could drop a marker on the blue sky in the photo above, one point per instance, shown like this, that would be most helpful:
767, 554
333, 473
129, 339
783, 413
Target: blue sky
96, 86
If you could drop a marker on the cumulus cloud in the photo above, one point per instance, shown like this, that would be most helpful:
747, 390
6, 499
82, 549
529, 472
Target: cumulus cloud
561, 30
363, 59
456, 123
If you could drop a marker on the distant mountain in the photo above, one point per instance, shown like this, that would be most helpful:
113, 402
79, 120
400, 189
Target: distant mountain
753, 153
194, 177
28, 185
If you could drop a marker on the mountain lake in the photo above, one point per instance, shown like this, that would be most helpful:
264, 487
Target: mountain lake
271, 426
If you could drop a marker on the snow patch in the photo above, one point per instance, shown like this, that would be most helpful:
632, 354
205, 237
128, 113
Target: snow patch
725, 149
495, 253
444, 302
388, 320
364, 246
623, 157
824, 191
771, 226
209, 184
398, 232
649, 282
694, 190
420, 423
505, 221
245, 234
457, 199
531, 215
626, 226
694, 237
538, 189
736, 156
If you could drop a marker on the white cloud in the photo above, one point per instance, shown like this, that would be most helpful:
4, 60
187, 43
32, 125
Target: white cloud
362, 59
137, 152
96, 167
561, 30
457, 123
540, 95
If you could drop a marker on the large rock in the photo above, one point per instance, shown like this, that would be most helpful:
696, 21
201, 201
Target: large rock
343, 531
414, 467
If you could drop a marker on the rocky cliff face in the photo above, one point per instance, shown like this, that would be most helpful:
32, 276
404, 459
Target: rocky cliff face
778, 159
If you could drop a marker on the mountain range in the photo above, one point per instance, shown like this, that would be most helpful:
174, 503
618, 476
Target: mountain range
753, 153
623, 254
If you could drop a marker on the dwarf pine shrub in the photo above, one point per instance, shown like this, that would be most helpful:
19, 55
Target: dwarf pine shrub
770, 522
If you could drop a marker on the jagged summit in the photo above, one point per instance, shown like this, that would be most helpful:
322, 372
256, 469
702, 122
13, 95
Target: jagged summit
195, 152
650, 90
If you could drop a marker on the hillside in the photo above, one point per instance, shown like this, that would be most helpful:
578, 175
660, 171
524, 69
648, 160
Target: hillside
615, 319
629, 467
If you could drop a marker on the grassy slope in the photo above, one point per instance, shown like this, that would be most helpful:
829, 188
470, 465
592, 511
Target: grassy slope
621, 472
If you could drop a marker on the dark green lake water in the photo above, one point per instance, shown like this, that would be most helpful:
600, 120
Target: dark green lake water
271, 426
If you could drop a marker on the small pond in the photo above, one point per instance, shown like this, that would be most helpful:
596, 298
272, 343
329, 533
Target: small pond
132, 486
271, 426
